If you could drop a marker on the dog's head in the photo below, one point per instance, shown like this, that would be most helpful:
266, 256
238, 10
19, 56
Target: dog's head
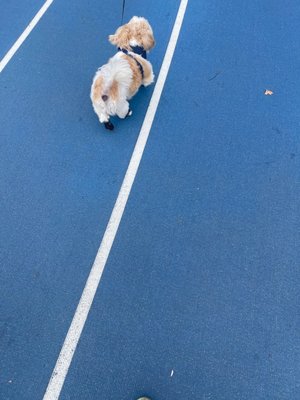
137, 32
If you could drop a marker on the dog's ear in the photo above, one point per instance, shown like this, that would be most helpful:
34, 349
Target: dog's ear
112, 39
121, 37
148, 42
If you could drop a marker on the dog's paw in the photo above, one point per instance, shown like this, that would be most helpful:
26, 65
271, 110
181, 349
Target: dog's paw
108, 125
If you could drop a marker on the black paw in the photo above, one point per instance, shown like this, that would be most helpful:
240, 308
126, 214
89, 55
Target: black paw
108, 125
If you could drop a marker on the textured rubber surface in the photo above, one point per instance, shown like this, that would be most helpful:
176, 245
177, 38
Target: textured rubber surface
200, 296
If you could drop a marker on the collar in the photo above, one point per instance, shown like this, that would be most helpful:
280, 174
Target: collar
128, 53
139, 50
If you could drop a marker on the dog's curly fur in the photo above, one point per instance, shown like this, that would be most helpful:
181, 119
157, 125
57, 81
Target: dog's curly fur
118, 81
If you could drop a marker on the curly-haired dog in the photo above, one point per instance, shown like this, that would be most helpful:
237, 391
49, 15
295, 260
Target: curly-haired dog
117, 81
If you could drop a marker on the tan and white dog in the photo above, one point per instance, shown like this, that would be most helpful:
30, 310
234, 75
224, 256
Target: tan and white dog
118, 81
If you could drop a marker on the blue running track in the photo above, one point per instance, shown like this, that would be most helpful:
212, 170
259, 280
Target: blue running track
200, 295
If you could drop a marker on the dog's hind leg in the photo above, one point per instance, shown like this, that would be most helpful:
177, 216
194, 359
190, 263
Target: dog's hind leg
104, 118
123, 109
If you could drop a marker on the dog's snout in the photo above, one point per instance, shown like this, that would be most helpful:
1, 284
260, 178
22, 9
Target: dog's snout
104, 97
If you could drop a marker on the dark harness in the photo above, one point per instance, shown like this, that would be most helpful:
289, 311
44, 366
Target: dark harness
139, 51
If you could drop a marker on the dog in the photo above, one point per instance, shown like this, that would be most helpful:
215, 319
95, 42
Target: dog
119, 80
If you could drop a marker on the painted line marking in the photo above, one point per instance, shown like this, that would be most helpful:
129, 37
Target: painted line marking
11, 52
69, 346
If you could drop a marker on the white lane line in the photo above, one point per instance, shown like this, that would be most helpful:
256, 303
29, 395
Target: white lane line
11, 52
68, 349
